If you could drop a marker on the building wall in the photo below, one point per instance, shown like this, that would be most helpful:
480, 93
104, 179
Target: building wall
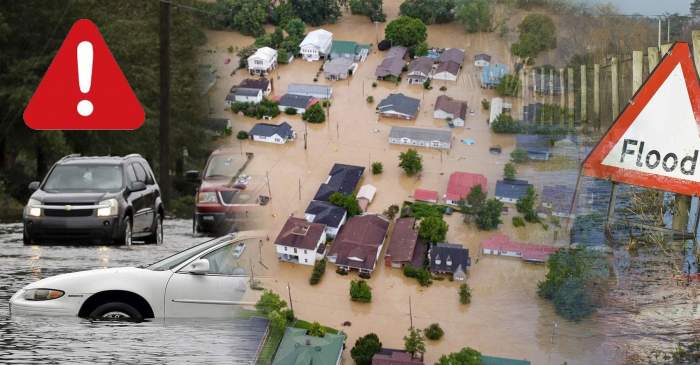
481, 63
507, 200
299, 110
271, 139
409, 142
445, 76
249, 99
306, 256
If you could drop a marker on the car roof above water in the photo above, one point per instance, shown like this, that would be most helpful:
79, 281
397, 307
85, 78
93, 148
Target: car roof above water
103, 160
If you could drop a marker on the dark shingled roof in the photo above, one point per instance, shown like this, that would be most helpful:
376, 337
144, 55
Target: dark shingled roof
246, 91
403, 240
295, 101
511, 188
449, 66
421, 64
326, 213
399, 103
452, 55
261, 84
342, 179
360, 238
458, 256
455, 107
394, 357
284, 130
299, 233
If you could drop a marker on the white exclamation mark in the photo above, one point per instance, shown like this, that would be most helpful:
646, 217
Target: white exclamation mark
85, 56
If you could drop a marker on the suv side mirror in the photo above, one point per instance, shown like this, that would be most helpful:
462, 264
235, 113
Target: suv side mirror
34, 185
137, 186
192, 176
199, 267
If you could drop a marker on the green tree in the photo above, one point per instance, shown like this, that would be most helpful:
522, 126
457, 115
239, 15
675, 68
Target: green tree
349, 202
270, 302
314, 114
377, 168
475, 15
282, 13
509, 171
414, 342
391, 211
249, 16
365, 348
489, 216
406, 31
318, 271
505, 123
465, 294
433, 229
509, 85
476, 198
360, 291
537, 34
295, 28
465, 356
434, 332
572, 301
695, 8
429, 11
411, 162
242, 135
277, 321
374, 9
526, 205
518, 155
316, 330
317, 12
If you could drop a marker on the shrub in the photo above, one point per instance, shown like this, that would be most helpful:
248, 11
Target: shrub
370, 99
485, 104
269, 302
314, 114
518, 222
411, 162
365, 348
465, 294
505, 123
374, 84
508, 86
360, 291
242, 135
349, 202
340, 271
518, 155
290, 111
318, 271
509, 171
526, 205
391, 211
434, 332
422, 275
406, 31
426, 84
377, 168
433, 229
443, 88
316, 330
326, 103
488, 217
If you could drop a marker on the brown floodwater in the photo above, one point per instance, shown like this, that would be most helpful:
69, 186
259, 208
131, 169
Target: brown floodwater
506, 317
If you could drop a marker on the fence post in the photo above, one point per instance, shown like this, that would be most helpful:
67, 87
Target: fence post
665, 48
551, 85
653, 55
696, 50
637, 64
615, 96
584, 95
596, 94
571, 106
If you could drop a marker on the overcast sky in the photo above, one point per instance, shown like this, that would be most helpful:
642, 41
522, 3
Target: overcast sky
647, 7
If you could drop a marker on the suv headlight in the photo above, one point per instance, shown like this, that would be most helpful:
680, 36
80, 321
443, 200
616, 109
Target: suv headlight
33, 209
110, 208
206, 197
42, 294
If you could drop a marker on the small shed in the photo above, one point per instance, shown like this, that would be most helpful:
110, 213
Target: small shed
423, 195
365, 196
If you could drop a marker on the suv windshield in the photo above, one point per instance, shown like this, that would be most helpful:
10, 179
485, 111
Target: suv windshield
222, 166
85, 178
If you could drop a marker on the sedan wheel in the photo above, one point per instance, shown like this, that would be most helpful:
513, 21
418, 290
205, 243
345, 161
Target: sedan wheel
116, 311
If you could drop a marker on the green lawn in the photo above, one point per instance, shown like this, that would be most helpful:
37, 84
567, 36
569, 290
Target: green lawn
267, 352
307, 325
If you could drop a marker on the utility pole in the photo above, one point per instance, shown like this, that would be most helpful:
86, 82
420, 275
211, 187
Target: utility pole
269, 191
164, 128
299, 188
291, 304
410, 310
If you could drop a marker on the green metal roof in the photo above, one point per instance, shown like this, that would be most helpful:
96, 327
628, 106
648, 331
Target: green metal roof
492, 360
347, 47
297, 348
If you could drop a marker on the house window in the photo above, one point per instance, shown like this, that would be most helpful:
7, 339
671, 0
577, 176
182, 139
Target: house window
305, 260
295, 250
448, 261
305, 251
285, 248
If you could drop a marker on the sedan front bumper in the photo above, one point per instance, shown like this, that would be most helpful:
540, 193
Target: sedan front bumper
63, 306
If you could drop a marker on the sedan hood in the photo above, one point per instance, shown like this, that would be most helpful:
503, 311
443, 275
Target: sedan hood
91, 281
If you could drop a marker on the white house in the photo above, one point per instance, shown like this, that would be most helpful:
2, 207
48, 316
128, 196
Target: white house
300, 242
421, 137
316, 45
244, 95
271, 133
482, 60
450, 109
262, 61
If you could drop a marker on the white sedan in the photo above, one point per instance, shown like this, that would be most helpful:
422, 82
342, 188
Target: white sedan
206, 280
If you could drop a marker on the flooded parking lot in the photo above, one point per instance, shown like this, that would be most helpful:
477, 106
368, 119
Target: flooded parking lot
73, 340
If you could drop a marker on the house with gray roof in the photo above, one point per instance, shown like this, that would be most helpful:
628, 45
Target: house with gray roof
392, 65
339, 68
341, 179
298, 102
272, 133
419, 70
321, 92
538, 147
421, 137
449, 258
448, 71
399, 106
244, 95
511, 190
450, 109
331, 216
482, 60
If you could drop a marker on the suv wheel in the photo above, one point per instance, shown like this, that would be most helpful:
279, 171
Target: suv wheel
157, 235
127, 232
25, 237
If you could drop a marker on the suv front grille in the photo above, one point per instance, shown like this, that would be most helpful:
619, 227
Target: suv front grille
68, 213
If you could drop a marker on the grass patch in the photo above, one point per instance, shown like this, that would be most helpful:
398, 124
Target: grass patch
300, 323
269, 348
420, 210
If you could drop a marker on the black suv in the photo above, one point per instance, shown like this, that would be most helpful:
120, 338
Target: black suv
95, 199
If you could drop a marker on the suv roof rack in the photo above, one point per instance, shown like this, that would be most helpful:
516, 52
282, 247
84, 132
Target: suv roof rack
133, 155
72, 155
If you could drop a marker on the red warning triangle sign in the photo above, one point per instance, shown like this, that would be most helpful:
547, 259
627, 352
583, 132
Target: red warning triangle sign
84, 88
655, 141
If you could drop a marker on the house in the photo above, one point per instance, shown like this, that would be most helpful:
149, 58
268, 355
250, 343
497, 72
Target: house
447, 71
341, 179
448, 258
482, 60
493, 360
299, 348
359, 243
394, 357
450, 109
502, 245
244, 95
399, 106
511, 190
422, 195
392, 65
421, 137
263, 61
298, 102
316, 45
300, 242
491, 75
455, 55
419, 70
556, 200
498, 107
216, 126
272, 133
365, 196
402, 245
461, 183
349, 49
339, 68
331, 216
262, 83
538, 147
321, 92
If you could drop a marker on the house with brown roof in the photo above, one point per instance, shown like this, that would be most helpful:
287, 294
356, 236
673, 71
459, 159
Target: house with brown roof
394, 357
449, 64
404, 247
392, 65
359, 243
301, 242
450, 109
419, 70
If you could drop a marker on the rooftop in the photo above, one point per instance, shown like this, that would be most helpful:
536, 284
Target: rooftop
283, 130
425, 195
296, 101
450, 256
512, 188
299, 233
455, 107
341, 179
421, 64
403, 240
359, 241
261, 83
326, 213
298, 348
394, 357
422, 134
455, 55
319, 37
310, 90
528, 252
449, 66
461, 183
399, 103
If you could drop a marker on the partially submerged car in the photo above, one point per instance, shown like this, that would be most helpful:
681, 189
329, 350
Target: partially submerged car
206, 280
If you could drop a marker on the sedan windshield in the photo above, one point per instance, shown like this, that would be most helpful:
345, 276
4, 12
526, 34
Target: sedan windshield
173, 261
107, 178
222, 166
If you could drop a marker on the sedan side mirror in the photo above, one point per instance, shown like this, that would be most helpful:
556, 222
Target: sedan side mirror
137, 186
34, 185
199, 267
